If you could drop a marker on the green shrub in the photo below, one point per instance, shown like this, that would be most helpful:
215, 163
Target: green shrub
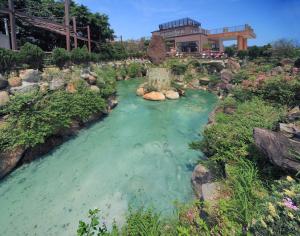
60, 57
178, 69
80, 55
280, 91
242, 54
106, 80
235, 132
7, 60
297, 63
134, 70
240, 77
31, 55
143, 223
34, 117
230, 51
254, 52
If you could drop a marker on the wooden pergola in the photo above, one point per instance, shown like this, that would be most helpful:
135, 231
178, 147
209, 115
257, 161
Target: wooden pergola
62, 29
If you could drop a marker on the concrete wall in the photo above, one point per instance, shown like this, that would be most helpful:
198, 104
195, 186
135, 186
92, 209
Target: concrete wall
4, 41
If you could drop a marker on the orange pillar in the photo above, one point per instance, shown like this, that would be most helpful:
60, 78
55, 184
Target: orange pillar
245, 44
240, 43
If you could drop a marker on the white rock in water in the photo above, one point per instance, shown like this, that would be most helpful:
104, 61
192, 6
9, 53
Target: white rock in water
172, 95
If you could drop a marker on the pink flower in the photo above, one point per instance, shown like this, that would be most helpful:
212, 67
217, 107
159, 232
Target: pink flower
289, 204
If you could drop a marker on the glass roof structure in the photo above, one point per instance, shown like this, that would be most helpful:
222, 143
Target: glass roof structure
179, 23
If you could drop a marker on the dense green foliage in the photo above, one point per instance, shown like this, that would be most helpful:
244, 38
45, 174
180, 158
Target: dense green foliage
178, 69
277, 90
7, 60
234, 131
34, 117
31, 55
230, 51
60, 57
80, 55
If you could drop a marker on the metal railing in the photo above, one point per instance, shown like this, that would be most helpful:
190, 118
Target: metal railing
239, 28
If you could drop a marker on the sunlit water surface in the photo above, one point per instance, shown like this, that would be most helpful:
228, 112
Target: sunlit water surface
138, 155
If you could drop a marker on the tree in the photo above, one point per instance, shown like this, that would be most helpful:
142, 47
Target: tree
229, 51
157, 49
54, 10
284, 48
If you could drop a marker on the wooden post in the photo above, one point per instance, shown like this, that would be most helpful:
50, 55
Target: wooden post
67, 24
12, 21
75, 32
89, 38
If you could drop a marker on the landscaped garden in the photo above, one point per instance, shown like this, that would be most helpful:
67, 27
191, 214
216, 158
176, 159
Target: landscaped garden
128, 141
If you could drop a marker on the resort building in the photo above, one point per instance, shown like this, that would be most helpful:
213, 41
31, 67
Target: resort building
187, 36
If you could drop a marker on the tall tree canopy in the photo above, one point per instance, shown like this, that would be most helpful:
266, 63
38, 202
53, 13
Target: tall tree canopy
54, 10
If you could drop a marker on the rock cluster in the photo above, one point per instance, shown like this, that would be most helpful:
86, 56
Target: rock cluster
203, 183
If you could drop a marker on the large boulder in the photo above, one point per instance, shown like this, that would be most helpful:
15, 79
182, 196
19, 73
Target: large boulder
9, 160
3, 83
233, 65
290, 130
278, 70
25, 88
30, 75
44, 87
4, 98
172, 95
203, 184
15, 81
279, 149
294, 114
154, 96
194, 83
56, 84
226, 76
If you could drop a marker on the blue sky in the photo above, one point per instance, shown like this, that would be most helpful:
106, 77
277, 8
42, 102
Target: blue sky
271, 19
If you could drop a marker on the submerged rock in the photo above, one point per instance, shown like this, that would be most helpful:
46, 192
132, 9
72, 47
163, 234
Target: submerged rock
172, 95
154, 96
278, 149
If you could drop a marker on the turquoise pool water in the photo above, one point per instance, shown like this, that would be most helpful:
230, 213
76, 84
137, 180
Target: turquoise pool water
138, 155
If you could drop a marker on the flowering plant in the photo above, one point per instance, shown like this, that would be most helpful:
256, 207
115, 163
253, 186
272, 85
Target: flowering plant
281, 215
